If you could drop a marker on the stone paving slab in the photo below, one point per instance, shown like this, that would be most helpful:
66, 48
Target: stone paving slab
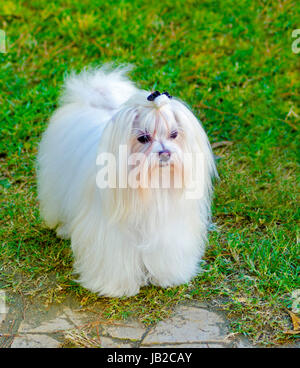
35, 341
183, 346
189, 325
130, 330
107, 342
54, 325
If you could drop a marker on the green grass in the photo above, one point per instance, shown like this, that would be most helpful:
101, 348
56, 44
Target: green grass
233, 64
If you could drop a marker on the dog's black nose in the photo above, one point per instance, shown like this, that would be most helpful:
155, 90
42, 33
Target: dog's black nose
164, 155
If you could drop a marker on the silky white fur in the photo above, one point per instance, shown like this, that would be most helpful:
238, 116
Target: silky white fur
122, 238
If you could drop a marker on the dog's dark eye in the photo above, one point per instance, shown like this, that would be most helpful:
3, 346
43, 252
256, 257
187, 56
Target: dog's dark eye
174, 134
144, 138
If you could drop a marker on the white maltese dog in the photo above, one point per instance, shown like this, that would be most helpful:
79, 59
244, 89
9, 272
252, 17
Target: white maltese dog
127, 176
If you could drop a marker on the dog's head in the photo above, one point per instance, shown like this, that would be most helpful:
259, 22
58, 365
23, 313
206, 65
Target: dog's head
163, 147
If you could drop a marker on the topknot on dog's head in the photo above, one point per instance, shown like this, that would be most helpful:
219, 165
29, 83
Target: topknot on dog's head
161, 100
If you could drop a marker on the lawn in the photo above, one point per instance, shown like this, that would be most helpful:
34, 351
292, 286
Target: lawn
232, 62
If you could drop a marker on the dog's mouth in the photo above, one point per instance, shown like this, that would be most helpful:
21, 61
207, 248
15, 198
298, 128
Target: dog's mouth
164, 158
164, 163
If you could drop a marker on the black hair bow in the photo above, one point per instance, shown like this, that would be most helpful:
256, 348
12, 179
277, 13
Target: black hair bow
155, 94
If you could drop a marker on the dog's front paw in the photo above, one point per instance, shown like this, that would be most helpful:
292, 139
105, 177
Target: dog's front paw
62, 232
113, 292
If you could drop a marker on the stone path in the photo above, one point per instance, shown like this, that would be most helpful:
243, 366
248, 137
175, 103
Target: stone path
190, 326
58, 326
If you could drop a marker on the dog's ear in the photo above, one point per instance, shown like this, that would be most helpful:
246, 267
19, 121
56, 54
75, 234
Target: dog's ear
196, 137
115, 141
201, 164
